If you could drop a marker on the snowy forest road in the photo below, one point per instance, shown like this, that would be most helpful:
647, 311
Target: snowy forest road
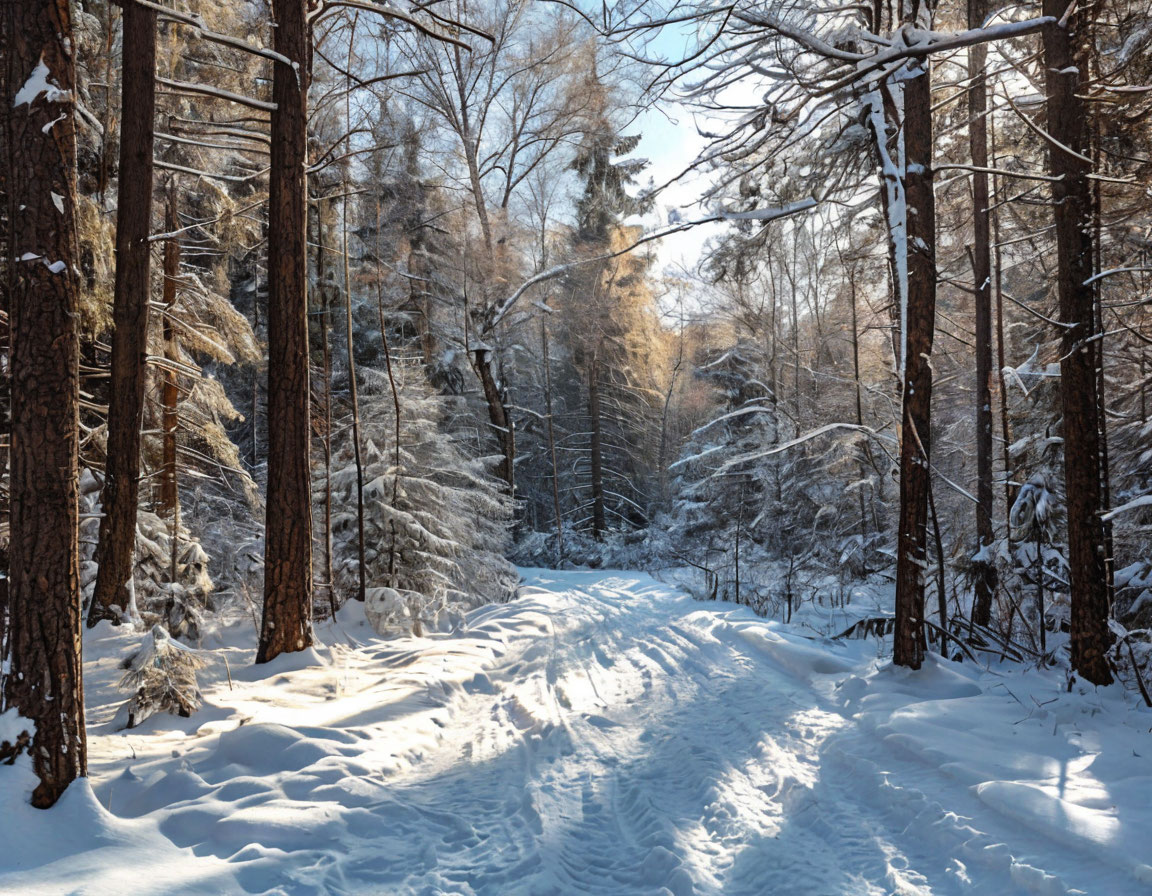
602, 734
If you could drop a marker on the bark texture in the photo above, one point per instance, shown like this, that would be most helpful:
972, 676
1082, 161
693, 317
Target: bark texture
115, 553
984, 569
1065, 57
43, 682
287, 621
916, 434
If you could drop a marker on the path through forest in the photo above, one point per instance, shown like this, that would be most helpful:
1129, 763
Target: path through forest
602, 734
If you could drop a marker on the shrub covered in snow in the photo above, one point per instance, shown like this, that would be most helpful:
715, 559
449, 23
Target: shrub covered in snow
436, 521
162, 672
168, 586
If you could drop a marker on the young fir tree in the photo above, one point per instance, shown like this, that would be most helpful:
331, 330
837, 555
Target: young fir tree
609, 334
437, 523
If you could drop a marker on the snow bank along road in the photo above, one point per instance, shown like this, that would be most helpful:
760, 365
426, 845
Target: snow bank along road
602, 734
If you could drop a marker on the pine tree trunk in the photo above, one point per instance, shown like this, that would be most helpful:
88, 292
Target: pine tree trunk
42, 662
985, 570
287, 621
916, 432
1065, 57
170, 393
115, 553
599, 523
1002, 382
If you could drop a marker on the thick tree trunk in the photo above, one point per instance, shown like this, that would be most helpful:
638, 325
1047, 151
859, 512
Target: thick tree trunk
985, 570
916, 432
287, 622
115, 553
599, 523
170, 393
1065, 58
42, 679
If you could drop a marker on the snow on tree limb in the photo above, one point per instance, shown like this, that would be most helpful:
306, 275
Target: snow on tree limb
500, 310
217, 93
919, 43
391, 12
195, 21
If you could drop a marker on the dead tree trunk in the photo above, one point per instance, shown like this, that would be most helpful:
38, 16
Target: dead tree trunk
115, 554
1065, 58
919, 324
985, 570
287, 621
42, 674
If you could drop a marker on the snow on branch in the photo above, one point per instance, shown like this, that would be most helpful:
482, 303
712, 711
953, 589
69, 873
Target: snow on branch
1134, 504
227, 178
1043, 134
806, 39
796, 442
499, 311
193, 20
824, 430
218, 93
389, 11
919, 43
742, 412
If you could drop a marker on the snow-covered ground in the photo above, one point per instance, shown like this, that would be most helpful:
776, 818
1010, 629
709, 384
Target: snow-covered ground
602, 734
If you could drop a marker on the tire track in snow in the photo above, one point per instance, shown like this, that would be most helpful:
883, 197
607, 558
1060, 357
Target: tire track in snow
602, 734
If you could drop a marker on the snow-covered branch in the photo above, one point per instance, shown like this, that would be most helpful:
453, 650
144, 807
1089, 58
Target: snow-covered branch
500, 310
217, 93
208, 34
391, 12
919, 43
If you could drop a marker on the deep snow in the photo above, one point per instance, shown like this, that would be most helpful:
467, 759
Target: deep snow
601, 734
